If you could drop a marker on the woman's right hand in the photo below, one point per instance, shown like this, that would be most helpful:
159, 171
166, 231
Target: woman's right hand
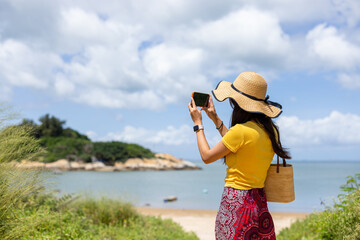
210, 110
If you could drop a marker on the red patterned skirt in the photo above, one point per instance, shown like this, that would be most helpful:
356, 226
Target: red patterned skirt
243, 215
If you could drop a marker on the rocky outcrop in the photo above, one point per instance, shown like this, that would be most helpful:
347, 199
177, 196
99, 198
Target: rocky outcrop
61, 164
161, 161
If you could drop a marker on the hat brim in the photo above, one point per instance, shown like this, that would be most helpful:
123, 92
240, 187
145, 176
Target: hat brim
224, 91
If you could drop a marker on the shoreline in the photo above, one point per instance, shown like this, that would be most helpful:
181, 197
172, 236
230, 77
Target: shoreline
202, 222
160, 162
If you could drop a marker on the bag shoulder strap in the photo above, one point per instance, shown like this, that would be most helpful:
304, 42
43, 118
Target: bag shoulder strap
278, 164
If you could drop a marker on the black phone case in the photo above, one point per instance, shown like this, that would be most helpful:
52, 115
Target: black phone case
201, 99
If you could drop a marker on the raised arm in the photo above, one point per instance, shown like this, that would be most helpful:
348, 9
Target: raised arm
208, 155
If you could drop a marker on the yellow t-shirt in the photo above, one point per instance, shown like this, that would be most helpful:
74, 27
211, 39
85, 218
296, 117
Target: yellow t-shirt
250, 157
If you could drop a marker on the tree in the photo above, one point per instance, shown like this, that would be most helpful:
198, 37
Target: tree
119, 151
51, 126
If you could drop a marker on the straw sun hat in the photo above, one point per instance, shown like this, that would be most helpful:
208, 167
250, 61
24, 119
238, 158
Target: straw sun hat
249, 91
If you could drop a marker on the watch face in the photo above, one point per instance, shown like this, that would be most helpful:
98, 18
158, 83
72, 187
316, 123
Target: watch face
196, 128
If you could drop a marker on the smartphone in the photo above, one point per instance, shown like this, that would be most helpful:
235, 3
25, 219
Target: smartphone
201, 99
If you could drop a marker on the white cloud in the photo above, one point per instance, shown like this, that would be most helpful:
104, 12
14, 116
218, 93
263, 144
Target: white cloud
174, 72
332, 48
63, 86
92, 135
171, 135
78, 28
248, 34
336, 130
139, 54
113, 72
349, 81
305, 12
113, 98
20, 65
350, 10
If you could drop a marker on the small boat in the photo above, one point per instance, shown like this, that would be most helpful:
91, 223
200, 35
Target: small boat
170, 199
57, 172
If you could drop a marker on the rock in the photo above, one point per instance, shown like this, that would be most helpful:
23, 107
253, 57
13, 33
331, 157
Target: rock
105, 169
61, 164
161, 161
98, 165
94, 166
89, 167
30, 164
190, 165
167, 156
134, 164
76, 166
119, 166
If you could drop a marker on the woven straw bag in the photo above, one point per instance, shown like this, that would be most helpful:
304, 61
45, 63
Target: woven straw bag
279, 183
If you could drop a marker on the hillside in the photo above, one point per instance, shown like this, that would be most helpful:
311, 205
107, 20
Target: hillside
67, 143
67, 149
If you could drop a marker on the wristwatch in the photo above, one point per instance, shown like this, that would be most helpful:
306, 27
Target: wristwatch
198, 128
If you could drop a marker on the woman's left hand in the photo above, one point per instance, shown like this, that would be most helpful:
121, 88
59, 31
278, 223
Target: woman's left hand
195, 113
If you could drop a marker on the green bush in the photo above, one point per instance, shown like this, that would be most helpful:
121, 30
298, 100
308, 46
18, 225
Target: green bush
65, 147
105, 211
119, 151
340, 221
70, 144
48, 217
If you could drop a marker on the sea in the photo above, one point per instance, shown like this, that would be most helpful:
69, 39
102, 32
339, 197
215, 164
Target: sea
317, 185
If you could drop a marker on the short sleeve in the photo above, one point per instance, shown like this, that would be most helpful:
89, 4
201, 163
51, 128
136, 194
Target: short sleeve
234, 138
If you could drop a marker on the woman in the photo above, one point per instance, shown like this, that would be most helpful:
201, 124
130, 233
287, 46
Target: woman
248, 147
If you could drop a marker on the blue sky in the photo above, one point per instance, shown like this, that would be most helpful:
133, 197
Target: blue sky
125, 70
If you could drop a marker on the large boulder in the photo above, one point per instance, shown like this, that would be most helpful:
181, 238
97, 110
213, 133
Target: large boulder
76, 166
30, 164
61, 164
134, 164
162, 161
167, 156
119, 166
105, 169
94, 166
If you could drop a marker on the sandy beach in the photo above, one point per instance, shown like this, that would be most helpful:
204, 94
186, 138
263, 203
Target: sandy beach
202, 222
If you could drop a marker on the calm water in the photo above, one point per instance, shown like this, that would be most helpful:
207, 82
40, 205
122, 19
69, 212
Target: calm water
315, 182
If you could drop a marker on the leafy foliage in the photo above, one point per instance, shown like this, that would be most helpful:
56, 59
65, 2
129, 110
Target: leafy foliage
65, 147
51, 126
68, 143
341, 221
119, 151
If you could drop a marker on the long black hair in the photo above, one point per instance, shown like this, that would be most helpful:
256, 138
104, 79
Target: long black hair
241, 116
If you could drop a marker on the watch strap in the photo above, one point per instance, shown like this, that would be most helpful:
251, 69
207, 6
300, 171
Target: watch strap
198, 128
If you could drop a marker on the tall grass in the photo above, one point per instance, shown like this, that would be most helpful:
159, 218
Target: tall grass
48, 217
27, 211
338, 222
15, 185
